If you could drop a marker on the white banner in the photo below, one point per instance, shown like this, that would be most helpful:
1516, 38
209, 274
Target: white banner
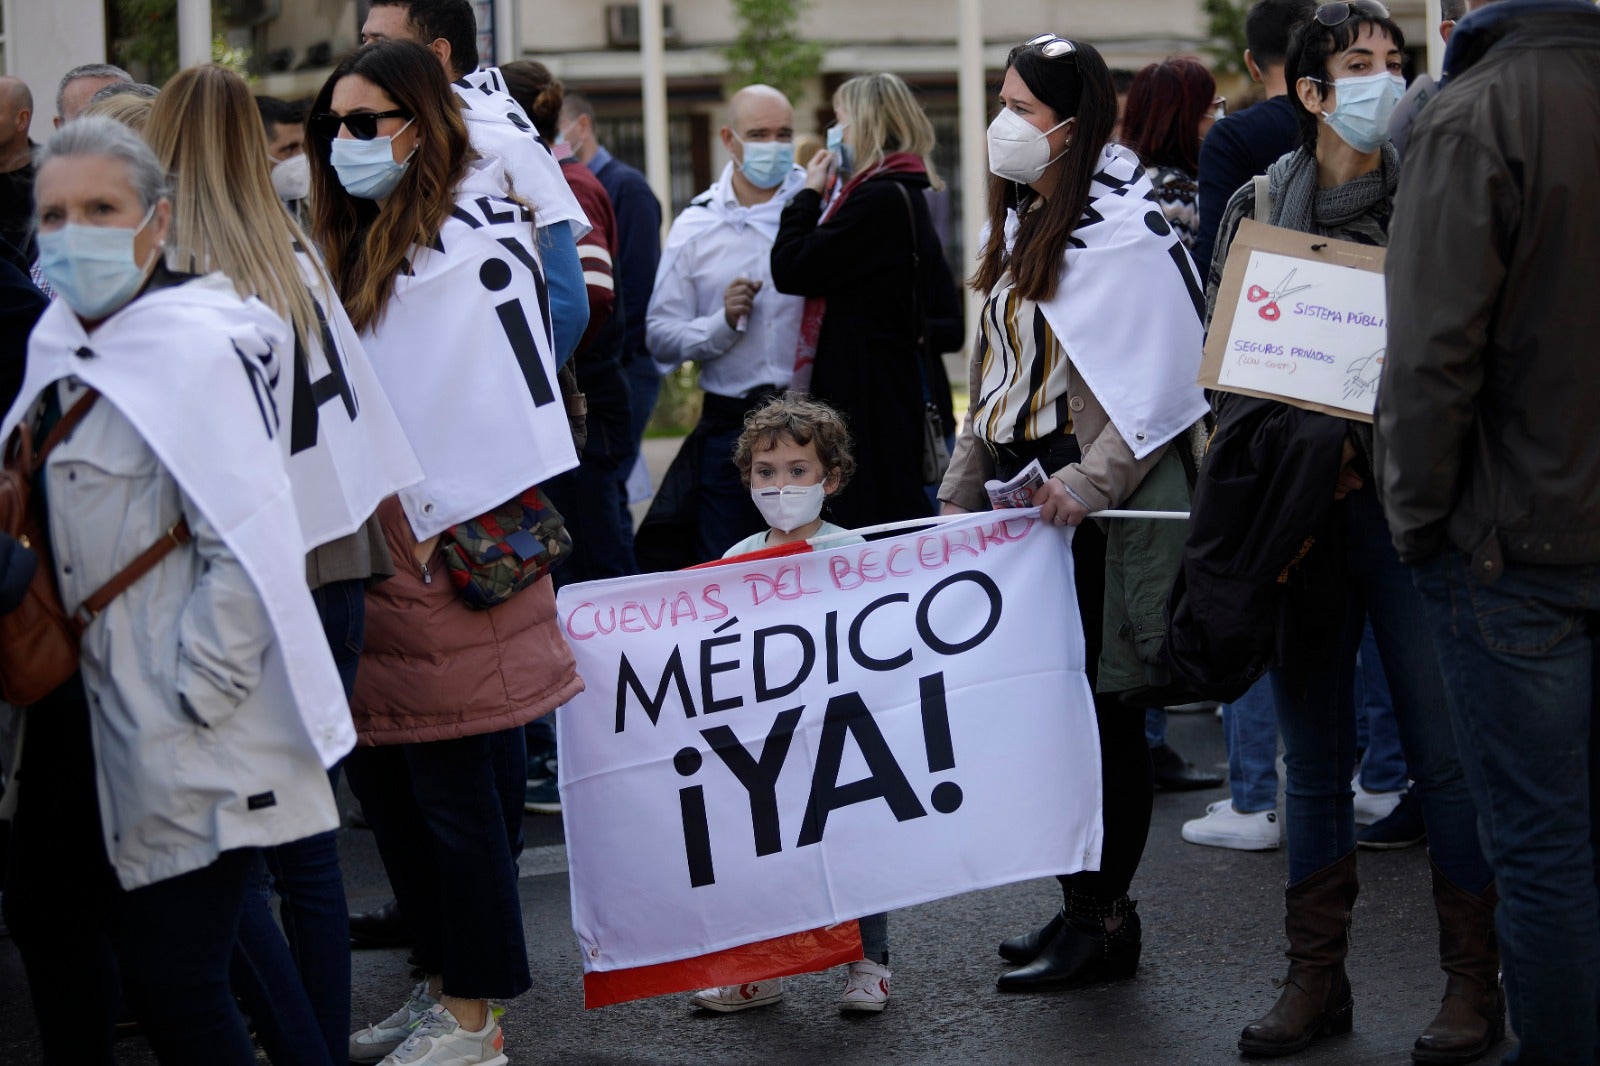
776, 745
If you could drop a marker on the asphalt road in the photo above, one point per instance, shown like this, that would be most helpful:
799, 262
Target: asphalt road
1213, 946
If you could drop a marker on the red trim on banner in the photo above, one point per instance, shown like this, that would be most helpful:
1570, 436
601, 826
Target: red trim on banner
777, 551
764, 960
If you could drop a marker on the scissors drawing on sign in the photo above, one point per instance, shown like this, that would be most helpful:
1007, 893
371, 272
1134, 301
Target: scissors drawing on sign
1270, 311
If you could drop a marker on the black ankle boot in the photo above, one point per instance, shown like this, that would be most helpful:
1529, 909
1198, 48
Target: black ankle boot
1081, 951
1025, 948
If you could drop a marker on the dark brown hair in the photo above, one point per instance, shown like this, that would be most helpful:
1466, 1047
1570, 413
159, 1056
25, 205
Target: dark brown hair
793, 417
1165, 106
1074, 86
532, 85
366, 243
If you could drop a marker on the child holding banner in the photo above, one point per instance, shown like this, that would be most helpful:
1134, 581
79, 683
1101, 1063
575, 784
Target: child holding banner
794, 454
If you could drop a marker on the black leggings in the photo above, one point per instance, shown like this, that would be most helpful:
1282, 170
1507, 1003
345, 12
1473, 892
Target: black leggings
1126, 775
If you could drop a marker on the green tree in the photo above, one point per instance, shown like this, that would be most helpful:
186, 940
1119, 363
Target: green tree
145, 39
768, 49
1225, 27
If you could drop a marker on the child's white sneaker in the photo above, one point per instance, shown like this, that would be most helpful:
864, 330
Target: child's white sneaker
866, 987
730, 998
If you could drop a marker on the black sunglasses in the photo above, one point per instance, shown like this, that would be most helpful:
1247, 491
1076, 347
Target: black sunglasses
1337, 14
363, 125
1052, 46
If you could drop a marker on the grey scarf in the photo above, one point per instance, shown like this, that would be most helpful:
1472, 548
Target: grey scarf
1357, 211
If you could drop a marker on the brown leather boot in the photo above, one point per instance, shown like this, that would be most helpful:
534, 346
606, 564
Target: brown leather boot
1472, 1018
1315, 1000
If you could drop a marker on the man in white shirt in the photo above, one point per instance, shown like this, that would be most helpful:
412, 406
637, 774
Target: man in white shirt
714, 303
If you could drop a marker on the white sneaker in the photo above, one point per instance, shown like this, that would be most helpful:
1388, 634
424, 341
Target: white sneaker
730, 998
1224, 827
439, 1040
379, 1039
866, 987
1374, 806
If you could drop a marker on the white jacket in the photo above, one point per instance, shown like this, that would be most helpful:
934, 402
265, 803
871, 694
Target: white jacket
201, 738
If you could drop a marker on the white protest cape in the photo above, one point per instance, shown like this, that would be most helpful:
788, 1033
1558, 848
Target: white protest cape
186, 366
1129, 310
464, 353
711, 210
497, 125
344, 447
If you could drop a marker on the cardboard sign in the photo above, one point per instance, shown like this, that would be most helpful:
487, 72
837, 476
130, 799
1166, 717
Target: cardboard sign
783, 744
1301, 319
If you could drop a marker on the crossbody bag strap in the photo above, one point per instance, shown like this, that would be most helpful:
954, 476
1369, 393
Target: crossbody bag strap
63, 428
174, 538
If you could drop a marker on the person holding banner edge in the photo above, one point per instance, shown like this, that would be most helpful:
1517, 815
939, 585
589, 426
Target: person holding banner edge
1344, 74
433, 259
1104, 403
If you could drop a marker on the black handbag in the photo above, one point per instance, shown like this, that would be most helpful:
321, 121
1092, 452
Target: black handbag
935, 448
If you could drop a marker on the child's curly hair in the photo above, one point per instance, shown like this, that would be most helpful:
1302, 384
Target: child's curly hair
803, 421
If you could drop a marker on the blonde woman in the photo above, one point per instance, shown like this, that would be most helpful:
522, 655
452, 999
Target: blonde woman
345, 453
859, 244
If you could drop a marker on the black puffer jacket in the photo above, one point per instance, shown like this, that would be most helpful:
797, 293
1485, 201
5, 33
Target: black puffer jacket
1259, 561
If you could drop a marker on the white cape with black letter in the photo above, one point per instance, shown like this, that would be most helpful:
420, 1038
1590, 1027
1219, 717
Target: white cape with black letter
465, 355
346, 451
497, 125
1129, 311
187, 367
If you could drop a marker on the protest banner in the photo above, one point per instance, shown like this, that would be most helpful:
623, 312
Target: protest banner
786, 743
1301, 319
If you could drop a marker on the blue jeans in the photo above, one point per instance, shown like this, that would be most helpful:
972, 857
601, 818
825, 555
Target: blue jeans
1155, 726
439, 822
644, 387
1250, 724
1383, 764
295, 985
1316, 714
875, 938
1520, 658
78, 930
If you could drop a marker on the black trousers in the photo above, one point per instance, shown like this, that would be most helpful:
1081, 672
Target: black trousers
1127, 779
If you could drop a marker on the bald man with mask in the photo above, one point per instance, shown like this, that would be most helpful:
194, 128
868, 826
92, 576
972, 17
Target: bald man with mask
714, 304
16, 170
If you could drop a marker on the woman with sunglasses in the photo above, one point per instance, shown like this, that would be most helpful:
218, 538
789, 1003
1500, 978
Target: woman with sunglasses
1066, 373
438, 268
1344, 75
847, 242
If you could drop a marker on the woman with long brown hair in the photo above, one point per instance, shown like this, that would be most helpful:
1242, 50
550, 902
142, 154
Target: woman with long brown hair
1171, 107
1067, 371
345, 452
439, 270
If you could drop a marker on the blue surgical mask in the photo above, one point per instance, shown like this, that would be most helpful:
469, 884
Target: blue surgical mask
766, 163
847, 155
1364, 105
367, 169
92, 268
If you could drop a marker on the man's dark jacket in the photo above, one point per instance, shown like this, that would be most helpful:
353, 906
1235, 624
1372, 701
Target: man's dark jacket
1486, 420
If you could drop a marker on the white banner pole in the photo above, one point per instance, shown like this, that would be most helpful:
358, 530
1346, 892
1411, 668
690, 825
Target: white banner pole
652, 65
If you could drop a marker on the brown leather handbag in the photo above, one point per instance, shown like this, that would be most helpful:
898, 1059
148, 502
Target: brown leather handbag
38, 641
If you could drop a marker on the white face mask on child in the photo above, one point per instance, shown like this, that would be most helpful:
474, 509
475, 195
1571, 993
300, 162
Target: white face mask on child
792, 506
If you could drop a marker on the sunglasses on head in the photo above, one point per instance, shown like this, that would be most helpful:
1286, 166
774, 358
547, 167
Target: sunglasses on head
1052, 46
363, 125
1337, 14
